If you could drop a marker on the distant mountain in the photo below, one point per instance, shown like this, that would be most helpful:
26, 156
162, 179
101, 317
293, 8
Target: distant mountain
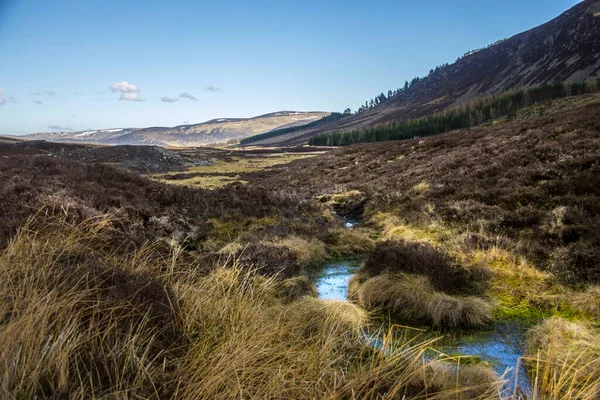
210, 132
564, 49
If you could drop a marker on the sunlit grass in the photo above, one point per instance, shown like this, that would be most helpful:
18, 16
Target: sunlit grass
223, 173
85, 319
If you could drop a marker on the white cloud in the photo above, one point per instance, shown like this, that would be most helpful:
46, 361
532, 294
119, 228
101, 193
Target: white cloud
167, 99
125, 87
2, 92
2, 102
128, 91
130, 96
187, 96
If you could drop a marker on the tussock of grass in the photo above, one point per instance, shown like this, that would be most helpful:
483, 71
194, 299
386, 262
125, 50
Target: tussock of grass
351, 242
587, 302
297, 287
421, 187
467, 380
393, 228
422, 258
413, 297
564, 357
454, 311
492, 265
307, 250
79, 320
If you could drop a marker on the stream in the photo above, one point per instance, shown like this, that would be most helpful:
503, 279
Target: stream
501, 345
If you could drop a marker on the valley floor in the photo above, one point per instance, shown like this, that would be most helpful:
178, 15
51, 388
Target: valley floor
197, 282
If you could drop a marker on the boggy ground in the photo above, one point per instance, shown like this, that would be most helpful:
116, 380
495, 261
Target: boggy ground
482, 225
534, 182
117, 286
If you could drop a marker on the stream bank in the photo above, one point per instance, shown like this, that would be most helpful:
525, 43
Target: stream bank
500, 345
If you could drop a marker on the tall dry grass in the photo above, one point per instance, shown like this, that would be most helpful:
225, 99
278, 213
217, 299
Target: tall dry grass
81, 318
413, 297
565, 359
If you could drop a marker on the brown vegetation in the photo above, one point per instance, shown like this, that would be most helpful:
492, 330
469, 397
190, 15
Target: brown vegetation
83, 319
534, 181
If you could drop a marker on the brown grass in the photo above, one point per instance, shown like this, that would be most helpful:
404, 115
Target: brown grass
564, 357
413, 297
83, 319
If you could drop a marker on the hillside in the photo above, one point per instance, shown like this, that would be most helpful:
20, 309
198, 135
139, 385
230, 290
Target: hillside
564, 49
210, 132
531, 185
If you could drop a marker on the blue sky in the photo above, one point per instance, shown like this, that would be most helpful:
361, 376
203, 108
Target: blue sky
59, 58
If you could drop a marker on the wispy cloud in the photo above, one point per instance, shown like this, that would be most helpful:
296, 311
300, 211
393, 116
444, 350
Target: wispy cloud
211, 88
98, 93
167, 99
45, 93
38, 102
59, 128
188, 96
184, 95
2, 102
2, 92
128, 91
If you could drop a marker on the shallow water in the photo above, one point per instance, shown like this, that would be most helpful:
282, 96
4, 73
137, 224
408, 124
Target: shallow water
501, 346
332, 279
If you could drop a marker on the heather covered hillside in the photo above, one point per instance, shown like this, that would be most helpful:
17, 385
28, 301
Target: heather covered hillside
534, 180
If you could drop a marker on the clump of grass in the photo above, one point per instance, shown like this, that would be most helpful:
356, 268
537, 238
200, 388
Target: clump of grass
349, 204
455, 311
308, 250
521, 290
587, 302
297, 287
421, 258
413, 297
564, 357
80, 320
434, 232
421, 187
463, 378
351, 242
